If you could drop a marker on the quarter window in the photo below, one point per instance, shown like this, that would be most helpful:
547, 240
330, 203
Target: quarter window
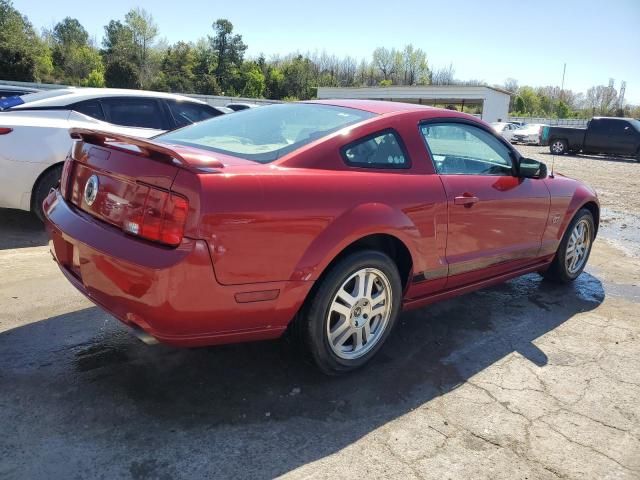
185, 113
91, 108
382, 150
462, 149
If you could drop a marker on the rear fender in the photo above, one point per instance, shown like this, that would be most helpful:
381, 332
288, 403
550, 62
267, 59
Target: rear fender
359, 222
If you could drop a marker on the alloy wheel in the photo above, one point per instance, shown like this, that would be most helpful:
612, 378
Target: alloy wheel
359, 313
578, 247
557, 147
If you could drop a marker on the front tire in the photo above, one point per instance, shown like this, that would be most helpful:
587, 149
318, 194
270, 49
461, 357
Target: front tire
574, 249
558, 147
42, 188
349, 316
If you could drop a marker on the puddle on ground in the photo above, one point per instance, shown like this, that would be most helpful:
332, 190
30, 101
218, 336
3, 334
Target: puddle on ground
622, 229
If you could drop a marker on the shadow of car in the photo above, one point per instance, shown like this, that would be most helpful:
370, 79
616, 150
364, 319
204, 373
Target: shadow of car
254, 410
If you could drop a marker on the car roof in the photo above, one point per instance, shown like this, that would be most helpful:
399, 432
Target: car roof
613, 118
63, 97
244, 104
16, 88
379, 107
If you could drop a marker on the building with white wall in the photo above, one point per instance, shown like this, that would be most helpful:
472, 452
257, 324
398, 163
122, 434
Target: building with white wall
494, 102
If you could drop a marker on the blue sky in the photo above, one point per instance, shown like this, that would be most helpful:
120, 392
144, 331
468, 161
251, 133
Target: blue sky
489, 40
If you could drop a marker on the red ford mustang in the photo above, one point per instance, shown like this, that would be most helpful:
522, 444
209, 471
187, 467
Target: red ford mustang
329, 217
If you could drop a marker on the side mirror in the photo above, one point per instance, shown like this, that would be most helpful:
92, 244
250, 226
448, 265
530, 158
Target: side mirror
530, 168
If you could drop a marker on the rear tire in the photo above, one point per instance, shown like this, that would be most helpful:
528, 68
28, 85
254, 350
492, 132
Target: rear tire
350, 314
42, 188
574, 249
558, 147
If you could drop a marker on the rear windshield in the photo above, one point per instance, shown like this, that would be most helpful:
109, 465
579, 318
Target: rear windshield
264, 134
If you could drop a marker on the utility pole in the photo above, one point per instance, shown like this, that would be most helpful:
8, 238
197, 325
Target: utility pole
623, 87
564, 70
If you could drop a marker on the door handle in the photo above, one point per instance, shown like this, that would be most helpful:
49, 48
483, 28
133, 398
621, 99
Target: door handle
466, 199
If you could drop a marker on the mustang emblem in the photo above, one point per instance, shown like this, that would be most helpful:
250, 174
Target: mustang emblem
91, 190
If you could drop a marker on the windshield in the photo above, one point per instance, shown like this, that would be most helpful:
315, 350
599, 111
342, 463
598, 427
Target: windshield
635, 123
265, 134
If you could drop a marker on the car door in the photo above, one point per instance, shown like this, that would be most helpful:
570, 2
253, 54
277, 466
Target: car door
597, 136
623, 138
495, 219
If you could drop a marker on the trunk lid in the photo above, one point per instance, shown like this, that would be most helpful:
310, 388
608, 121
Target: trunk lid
126, 182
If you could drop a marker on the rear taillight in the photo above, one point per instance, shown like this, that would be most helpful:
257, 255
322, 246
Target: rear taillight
4, 130
162, 219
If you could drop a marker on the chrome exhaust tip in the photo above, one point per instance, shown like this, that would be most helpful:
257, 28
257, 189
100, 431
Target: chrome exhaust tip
144, 336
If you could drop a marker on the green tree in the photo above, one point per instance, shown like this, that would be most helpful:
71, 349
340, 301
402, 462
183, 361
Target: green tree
562, 110
297, 73
23, 55
384, 60
121, 70
530, 101
178, 64
120, 73
73, 56
229, 52
94, 79
70, 32
143, 33
274, 80
252, 80
414, 65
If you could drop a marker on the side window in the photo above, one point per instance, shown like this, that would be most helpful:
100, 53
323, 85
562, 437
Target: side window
185, 113
90, 108
382, 150
619, 127
133, 112
463, 149
597, 126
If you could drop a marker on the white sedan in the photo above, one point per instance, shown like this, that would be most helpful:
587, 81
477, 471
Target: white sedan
528, 134
505, 129
34, 137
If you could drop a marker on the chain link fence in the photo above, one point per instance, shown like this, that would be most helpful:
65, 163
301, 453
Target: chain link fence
569, 122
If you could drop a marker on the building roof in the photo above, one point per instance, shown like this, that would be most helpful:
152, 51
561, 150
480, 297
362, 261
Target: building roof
414, 91
374, 106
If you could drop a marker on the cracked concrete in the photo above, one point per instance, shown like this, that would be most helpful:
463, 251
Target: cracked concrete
521, 381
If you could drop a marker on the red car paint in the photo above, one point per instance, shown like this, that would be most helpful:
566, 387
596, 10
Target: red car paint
257, 236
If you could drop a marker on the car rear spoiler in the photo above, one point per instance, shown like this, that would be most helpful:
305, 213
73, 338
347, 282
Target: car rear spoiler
185, 157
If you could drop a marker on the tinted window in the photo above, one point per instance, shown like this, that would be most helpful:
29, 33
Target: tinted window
91, 108
619, 127
462, 149
185, 113
10, 93
267, 133
380, 151
133, 112
597, 126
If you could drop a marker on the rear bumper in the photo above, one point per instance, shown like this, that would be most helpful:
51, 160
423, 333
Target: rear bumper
170, 293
